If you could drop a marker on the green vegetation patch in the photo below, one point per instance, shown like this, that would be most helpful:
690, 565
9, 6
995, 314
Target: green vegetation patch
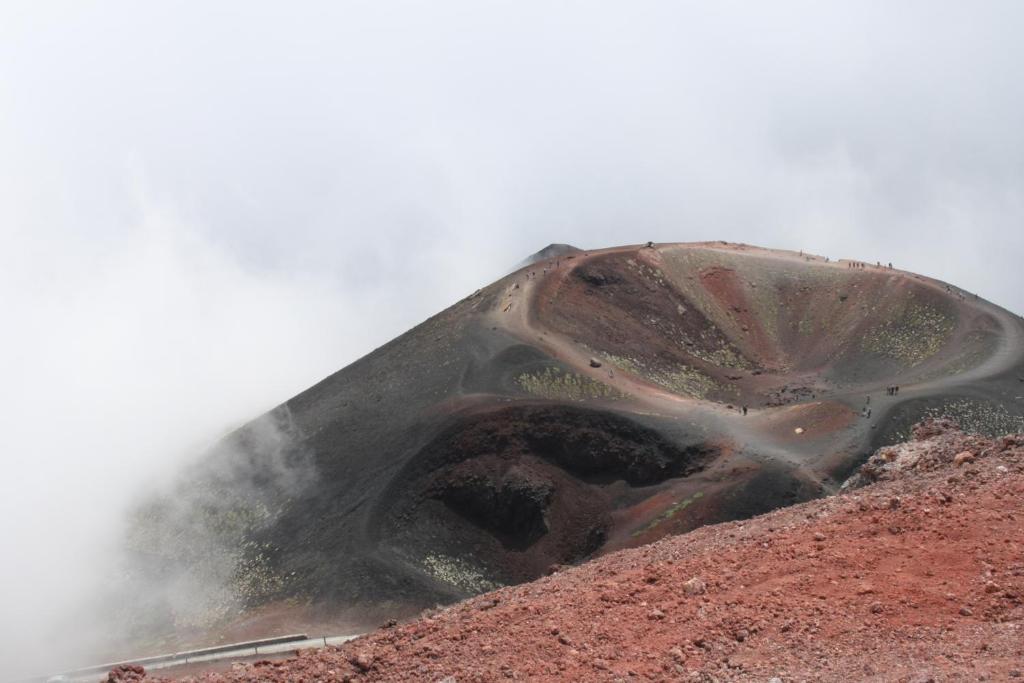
457, 572
716, 351
974, 417
913, 337
556, 384
681, 379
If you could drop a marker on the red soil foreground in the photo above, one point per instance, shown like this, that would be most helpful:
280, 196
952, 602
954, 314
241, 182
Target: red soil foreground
917, 577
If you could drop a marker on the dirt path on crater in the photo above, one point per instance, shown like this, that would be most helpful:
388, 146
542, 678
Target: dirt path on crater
770, 428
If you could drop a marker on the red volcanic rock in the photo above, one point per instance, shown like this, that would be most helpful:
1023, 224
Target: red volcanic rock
942, 599
931, 427
936, 443
126, 673
962, 458
695, 586
362, 661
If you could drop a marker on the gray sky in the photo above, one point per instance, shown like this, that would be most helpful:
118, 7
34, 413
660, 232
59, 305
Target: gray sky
206, 207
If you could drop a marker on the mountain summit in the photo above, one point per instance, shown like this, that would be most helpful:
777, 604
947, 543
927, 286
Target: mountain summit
592, 401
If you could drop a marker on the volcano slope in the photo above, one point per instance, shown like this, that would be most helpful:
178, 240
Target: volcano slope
589, 402
918, 576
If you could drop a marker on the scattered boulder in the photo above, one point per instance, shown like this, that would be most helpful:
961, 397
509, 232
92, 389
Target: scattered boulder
695, 586
962, 458
362, 661
931, 427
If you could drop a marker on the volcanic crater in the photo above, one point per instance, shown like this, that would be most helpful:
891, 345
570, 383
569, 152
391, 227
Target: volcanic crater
592, 401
